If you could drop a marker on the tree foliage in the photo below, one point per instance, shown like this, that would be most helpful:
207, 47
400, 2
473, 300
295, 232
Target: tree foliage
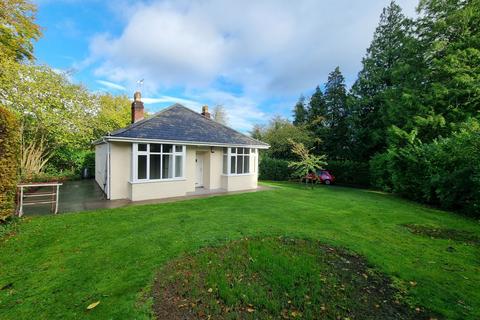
375, 88
336, 138
9, 157
300, 112
409, 110
307, 162
18, 29
277, 133
57, 118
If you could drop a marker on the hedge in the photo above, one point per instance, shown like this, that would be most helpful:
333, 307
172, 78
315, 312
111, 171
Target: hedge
350, 172
274, 169
445, 173
9, 157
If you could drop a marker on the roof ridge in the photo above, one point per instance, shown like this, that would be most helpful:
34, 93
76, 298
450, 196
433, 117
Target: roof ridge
221, 124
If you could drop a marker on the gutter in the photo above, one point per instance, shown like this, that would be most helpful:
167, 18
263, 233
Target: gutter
107, 139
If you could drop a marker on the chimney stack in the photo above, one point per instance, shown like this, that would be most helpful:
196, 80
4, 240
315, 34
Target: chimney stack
205, 112
137, 107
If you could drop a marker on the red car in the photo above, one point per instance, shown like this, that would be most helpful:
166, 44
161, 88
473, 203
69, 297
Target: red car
321, 176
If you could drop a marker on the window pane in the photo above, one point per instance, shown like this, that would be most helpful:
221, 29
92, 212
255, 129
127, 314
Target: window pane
178, 166
246, 164
225, 150
142, 147
239, 150
167, 166
167, 148
239, 164
154, 166
142, 167
225, 164
232, 165
178, 148
233, 150
155, 147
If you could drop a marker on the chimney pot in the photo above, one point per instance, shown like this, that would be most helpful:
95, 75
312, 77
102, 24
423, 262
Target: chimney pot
137, 96
137, 107
205, 112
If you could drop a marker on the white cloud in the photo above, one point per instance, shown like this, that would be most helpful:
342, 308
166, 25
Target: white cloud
242, 112
268, 48
111, 85
169, 99
273, 46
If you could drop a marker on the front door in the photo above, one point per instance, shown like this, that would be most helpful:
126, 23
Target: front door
199, 170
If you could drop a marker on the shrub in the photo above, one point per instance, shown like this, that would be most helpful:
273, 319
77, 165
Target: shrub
274, 169
69, 163
9, 157
455, 173
445, 172
50, 176
380, 175
350, 172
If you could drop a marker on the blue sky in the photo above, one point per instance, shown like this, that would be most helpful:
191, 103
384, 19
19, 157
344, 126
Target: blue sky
253, 57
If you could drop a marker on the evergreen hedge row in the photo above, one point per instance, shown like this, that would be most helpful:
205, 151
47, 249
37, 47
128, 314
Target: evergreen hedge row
350, 172
445, 173
274, 169
9, 157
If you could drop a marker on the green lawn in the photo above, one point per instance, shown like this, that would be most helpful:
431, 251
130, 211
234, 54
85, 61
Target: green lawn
53, 267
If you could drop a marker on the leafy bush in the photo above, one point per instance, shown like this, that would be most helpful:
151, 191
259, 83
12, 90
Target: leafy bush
445, 172
350, 172
9, 226
49, 176
89, 161
70, 162
380, 175
9, 157
274, 169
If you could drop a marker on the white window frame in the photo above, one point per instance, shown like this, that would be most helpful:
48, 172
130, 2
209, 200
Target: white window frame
251, 166
136, 153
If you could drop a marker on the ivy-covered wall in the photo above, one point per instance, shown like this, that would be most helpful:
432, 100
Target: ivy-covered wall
9, 157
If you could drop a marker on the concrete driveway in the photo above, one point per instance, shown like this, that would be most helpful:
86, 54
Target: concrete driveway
75, 196
84, 195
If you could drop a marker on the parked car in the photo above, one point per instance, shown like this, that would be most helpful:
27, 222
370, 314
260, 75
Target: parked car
321, 176
325, 176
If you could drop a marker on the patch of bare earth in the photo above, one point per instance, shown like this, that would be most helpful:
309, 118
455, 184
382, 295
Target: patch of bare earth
443, 233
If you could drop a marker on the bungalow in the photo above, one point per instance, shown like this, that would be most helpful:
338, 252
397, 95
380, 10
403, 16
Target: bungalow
174, 153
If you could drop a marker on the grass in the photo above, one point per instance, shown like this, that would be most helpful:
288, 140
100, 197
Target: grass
275, 278
55, 266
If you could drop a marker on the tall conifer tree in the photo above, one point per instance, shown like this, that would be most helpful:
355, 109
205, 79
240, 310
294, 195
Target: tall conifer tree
336, 139
300, 112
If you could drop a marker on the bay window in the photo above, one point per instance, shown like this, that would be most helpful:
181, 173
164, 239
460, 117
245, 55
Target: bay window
237, 161
154, 161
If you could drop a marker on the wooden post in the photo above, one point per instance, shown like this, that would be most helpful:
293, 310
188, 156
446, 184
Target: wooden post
56, 200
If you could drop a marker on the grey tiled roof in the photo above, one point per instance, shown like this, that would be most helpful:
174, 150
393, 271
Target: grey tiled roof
182, 124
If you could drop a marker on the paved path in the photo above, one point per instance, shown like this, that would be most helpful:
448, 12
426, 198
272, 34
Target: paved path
83, 195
